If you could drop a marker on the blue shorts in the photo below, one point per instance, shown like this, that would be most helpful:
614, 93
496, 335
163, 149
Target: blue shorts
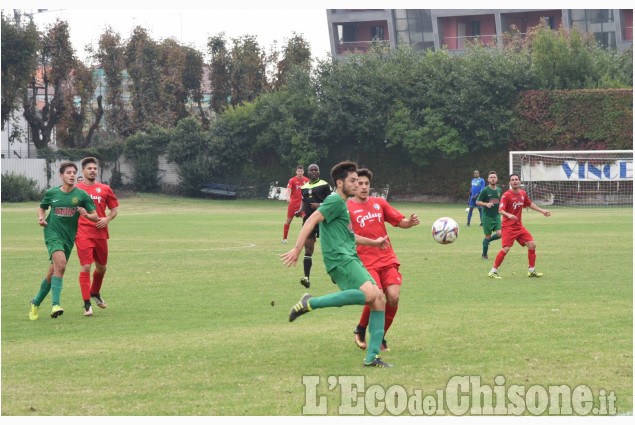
472, 201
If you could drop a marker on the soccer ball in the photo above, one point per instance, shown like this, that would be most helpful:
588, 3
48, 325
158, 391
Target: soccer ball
445, 230
467, 210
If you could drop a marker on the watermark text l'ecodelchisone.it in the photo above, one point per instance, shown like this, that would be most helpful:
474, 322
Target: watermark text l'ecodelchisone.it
463, 395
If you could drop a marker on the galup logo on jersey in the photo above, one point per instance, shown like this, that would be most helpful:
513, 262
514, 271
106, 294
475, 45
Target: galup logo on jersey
65, 211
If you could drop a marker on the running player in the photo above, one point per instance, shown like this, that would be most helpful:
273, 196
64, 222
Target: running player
476, 186
314, 192
92, 238
511, 208
294, 198
67, 204
369, 215
489, 198
341, 260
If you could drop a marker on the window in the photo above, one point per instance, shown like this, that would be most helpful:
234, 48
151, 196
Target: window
476, 28
349, 33
377, 33
549, 22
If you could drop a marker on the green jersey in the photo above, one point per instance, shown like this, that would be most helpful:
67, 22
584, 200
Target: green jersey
337, 239
491, 195
63, 218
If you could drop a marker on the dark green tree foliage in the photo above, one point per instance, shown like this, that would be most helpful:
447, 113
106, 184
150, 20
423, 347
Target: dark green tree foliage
111, 55
189, 148
296, 53
219, 73
144, 149
20, 44
192, 78
246, 70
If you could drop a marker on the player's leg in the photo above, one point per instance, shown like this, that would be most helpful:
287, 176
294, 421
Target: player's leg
45, 288
309, 246
101, 259
469, 215
360, 329
85, 249
507, 242
59, 259
287, 224
528, 241
480, 214
392, 290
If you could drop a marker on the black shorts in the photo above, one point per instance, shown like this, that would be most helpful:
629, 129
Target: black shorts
315, 233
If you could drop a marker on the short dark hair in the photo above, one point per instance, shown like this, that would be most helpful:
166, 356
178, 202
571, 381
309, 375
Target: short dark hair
514, 174
342, 170
65, 165
299, 167
492, 172
365, 172
89, 160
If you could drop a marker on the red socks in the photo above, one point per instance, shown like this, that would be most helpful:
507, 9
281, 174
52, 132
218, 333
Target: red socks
531, 255
286, 231
98, 279
84, 284
499, 259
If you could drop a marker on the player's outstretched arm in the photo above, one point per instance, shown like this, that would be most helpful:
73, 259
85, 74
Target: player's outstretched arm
291, 258
544, 212
381, 242
409, 222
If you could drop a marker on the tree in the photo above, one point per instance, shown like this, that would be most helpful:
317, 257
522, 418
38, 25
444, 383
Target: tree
111, 56
219, 73
246, 70
297, 52
58, 61
192, 79
20, 45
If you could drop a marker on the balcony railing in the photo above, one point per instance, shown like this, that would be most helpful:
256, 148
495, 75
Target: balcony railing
344, 47
459, 43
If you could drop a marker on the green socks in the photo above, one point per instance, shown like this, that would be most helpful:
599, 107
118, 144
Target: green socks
487, 241
56, 289
45, 287
375, 333
339, 299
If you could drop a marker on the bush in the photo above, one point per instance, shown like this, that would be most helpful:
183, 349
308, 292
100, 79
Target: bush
18, 188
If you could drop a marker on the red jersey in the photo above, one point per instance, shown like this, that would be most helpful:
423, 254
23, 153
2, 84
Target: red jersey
103, 196
368, 219
295, 184
513, 203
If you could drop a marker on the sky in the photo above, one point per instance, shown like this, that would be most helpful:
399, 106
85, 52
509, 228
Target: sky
192, 24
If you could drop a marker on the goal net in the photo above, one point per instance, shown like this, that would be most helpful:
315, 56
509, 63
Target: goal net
575, 178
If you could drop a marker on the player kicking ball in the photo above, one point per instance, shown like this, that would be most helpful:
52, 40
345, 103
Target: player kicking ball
342, 262
511, 208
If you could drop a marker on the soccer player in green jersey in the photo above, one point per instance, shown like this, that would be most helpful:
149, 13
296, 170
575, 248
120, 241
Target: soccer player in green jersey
341, 260
489, 198
67, 203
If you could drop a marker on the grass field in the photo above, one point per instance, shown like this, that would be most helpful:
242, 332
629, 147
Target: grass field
198, 302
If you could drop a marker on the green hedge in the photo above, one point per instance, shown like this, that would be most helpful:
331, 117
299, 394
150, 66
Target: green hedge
18, 188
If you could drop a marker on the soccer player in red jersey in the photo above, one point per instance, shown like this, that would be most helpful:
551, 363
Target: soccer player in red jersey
511, 208
368, 216
294, 198
92, 238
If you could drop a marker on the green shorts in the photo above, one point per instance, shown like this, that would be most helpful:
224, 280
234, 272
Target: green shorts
57, 245
351, 275
491, 225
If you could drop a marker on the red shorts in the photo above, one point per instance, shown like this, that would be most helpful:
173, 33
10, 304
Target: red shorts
385, 276
520, 235
92, 251
293, 208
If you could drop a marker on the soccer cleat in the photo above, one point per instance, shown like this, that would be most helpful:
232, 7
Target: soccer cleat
494, 275
284, 241
305, 282
360, 337
484, 257
56, 311
300, 307
384, 346
467, 225
35, 311
89, 311
481, 224
98, 300
534, 274
377, 362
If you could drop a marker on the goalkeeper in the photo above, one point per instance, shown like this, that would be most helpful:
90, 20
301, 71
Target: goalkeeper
477, 185
489, 198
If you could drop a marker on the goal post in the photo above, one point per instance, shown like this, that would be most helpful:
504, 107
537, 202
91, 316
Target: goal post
575, 178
